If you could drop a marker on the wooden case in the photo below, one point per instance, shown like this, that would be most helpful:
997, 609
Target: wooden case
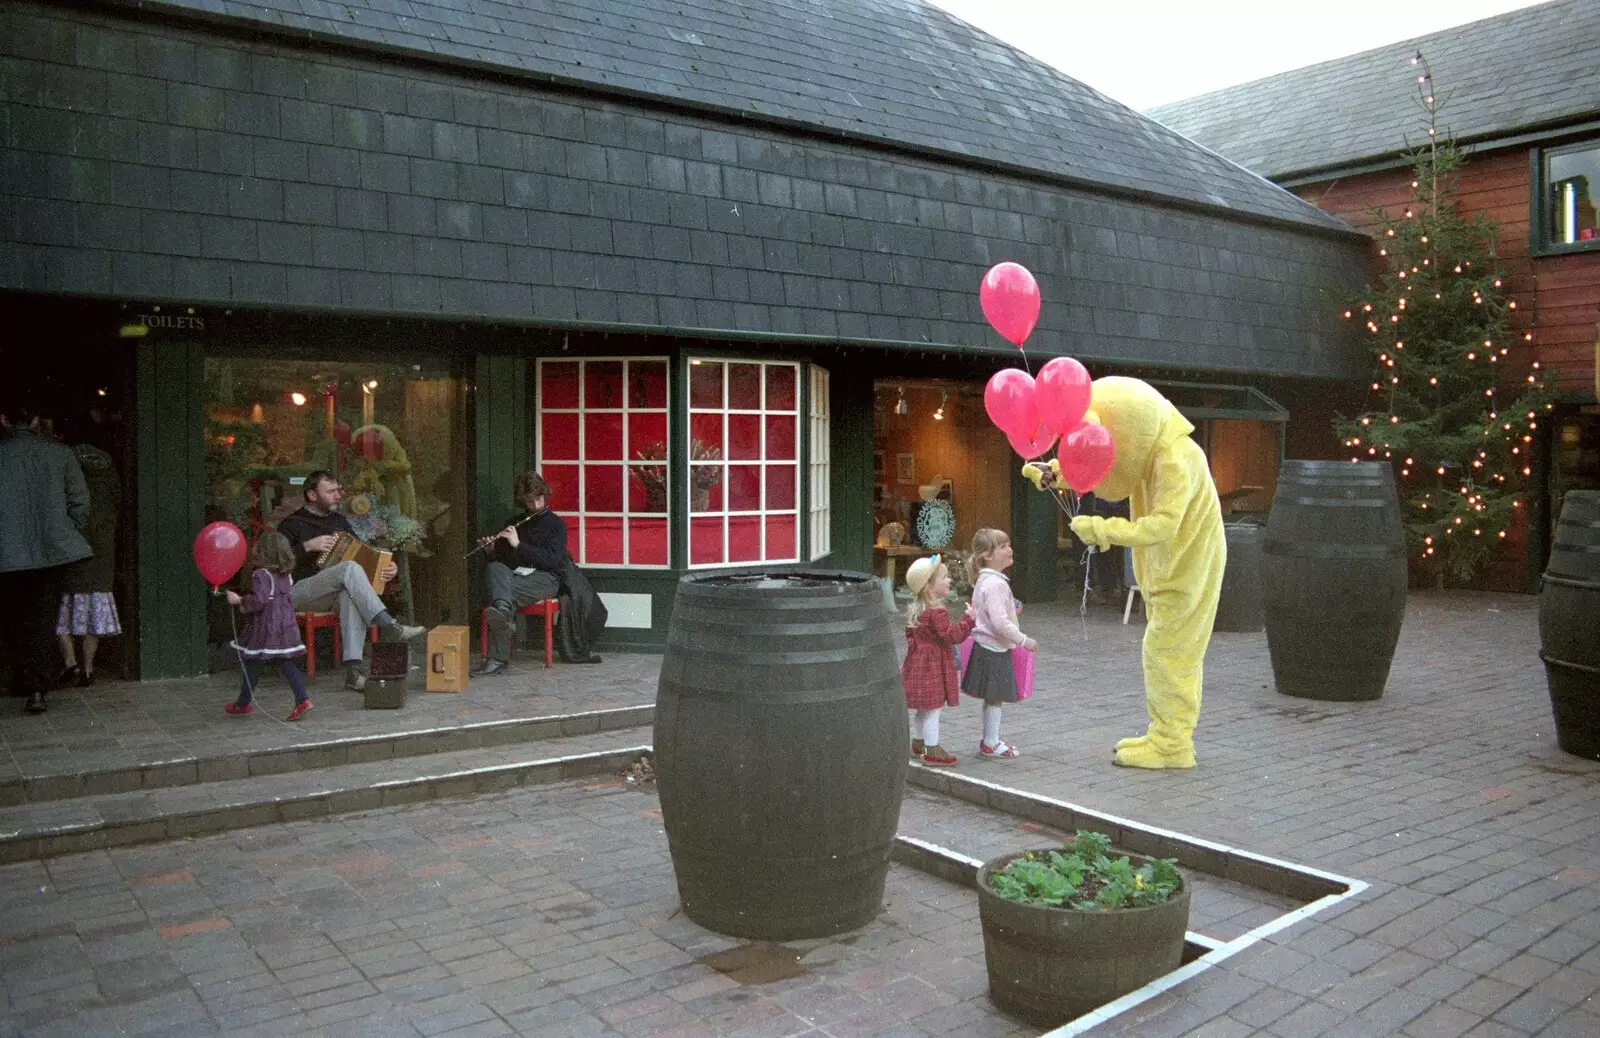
449, 659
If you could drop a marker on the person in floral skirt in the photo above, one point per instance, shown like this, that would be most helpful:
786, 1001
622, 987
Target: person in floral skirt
929, 672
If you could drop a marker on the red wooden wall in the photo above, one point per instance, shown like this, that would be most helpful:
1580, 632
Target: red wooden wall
1556, 294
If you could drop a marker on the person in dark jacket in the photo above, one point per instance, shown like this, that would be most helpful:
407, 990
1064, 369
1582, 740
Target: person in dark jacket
44, 511
527, 563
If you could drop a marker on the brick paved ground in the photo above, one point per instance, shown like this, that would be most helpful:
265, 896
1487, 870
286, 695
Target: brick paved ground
1448, 795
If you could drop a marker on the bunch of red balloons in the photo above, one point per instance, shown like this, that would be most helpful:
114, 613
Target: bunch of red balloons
1035, 412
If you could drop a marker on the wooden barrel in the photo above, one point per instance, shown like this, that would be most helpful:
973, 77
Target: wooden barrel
1333, 579
1569, 616
780, 751
1239, 604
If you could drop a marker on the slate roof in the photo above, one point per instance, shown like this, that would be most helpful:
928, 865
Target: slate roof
1531, 68
898, 71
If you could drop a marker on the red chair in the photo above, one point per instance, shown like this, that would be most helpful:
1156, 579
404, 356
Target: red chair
310, 623
549, 608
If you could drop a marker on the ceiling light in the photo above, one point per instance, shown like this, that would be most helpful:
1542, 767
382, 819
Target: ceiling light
938, 412
900, 405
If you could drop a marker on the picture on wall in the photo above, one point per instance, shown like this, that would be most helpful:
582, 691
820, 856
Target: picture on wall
906, 468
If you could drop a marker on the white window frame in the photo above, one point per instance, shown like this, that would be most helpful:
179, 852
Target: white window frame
819, 467
583, 462
726, 513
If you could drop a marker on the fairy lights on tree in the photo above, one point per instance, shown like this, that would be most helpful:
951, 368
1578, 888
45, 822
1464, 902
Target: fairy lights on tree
1451, 405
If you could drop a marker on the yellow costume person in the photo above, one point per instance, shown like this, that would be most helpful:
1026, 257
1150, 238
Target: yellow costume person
1178, 556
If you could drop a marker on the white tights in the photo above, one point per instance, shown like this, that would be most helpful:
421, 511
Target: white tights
926, 726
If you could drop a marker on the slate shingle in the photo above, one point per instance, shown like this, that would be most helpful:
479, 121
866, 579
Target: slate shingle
1361, 108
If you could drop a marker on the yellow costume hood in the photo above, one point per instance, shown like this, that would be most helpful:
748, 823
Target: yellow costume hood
1141, 422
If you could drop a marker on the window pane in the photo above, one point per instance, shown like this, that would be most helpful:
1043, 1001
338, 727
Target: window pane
781, 487
744, 387
604, 536
1573, 178
602, 439
744, 538
563, 480
744, 436
781, 537
558, 384
603, 488
705, 385
705, 482
780, 387
602, 384
780, 437
744, 488
559, 436
647, 435
647, 488
705, 432
705, 540
647, 542
647, 383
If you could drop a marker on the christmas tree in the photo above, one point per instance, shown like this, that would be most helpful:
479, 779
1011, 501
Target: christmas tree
1451, 405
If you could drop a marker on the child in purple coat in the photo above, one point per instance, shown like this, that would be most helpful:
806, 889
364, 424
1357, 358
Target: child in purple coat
270, 634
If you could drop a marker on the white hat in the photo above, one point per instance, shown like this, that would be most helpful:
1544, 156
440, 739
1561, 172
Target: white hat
920, 572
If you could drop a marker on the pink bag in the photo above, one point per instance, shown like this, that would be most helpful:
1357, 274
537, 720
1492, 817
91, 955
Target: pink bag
1021, 666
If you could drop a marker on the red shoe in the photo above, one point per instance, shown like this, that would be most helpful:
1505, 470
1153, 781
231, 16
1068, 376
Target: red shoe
999, 751
299, 710
237, 710
939, 757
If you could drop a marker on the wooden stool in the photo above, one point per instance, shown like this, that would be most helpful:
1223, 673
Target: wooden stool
310, 623
549, 608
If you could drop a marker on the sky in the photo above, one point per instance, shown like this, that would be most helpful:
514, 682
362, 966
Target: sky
1149, 52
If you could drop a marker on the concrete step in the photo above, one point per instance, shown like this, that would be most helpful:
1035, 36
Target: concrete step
316, 753
94, 822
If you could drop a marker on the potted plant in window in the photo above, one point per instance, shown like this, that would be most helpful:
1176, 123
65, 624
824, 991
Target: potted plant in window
1067, 930
651, 470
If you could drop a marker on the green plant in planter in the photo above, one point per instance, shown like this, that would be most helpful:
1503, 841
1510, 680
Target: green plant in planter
1085, 878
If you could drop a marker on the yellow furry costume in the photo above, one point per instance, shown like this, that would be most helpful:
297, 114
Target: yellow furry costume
1178, 556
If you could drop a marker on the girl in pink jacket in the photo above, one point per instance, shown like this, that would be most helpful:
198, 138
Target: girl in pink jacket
989, 674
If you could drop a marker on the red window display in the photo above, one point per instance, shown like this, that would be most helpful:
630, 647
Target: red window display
603, 448
744, 473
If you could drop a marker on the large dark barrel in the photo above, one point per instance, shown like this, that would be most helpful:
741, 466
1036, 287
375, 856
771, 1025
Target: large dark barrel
1569, 619
780, 751
1333, 579
1239, 605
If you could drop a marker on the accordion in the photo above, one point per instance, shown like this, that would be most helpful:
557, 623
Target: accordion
346, 548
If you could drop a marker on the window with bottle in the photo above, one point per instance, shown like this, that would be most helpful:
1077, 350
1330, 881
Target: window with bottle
1566, 180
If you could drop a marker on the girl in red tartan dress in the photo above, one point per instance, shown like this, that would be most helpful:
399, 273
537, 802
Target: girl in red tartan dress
929, 673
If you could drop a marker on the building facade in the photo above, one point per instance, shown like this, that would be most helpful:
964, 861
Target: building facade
430, 251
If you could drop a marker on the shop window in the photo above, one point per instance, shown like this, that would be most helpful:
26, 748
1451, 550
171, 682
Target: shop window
819, 467
744, 462
1567, 180
603, 448
393, 434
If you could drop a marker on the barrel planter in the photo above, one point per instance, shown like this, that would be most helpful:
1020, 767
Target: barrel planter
1050, 965
1569, 619
1239, 604
780, 751
1333, 579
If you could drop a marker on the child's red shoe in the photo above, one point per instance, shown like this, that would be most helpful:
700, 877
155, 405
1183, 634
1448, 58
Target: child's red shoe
299, 710
999, 751
237, 710
938, 757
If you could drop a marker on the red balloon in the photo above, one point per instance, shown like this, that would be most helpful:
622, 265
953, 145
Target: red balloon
1010, 299
341, 433
1086, 455
369, 445
1009, 399
1062, 394
219, 551
1030, 447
